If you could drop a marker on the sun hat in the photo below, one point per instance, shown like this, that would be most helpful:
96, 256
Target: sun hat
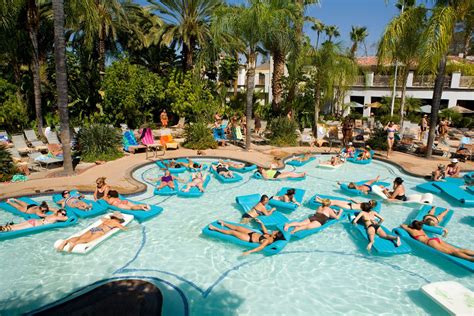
350, 144
454, 160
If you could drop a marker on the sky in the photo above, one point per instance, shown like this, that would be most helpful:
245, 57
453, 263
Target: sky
374, 14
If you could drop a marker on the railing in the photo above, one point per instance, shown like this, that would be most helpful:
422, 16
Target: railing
429, 81
382, 81
466, 82
359, 81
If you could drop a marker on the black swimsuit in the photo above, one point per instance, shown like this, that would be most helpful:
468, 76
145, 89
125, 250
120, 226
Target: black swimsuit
30, 206
260, 239
318, 217
401, 197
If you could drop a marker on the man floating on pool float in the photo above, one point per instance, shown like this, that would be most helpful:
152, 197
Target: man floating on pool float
223, 170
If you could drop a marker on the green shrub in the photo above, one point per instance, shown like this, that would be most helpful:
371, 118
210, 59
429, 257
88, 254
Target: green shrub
99, 142
387, 118
199, 136
132, 94
13, 111
7, 166
283, 132
378, 140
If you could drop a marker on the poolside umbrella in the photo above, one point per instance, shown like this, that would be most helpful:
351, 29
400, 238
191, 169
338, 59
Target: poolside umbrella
462, 110
356, 105
375, 105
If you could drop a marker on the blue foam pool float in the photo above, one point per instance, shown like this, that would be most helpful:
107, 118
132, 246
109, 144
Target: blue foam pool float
432, 251
139, 215
272, 249
72, 220
425, 209
237, 177
247, 202
456, 193
470, 189
314, 205
469, 177
308, 232
194, 191
431, 186
97, 208
297, 163
361, 162
288, 206
167, 191
345, 187
382, 246
257, 175
162, 164
7, 207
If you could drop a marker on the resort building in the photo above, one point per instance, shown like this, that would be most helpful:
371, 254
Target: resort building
371, 87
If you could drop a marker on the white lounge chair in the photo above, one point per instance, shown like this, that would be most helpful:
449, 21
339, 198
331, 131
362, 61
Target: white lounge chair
20, 144
306, 136
34, 141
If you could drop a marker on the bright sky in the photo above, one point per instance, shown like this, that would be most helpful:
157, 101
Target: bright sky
374, 14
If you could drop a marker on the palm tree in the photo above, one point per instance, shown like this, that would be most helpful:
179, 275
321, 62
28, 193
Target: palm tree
61, 83
401, 42
358, 35
332, 31
437, 39
319, 27
279, 38
468, 31
187, 22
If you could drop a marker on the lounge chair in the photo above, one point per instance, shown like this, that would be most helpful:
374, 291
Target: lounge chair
465, 150
321, 136
20, 144
333, 137
34, 141
149, 141
51, 136
166, 139
44, 161
236, 133
130, 143
19, 160
305, 137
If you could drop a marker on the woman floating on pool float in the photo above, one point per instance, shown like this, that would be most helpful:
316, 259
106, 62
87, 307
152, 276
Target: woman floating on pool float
398, 192
318, 219
288, 197
173, 164
307, 156
197, 180
115, 221
39, 210
167, 180
192, 164
223, 170
73, 201
258, 210
269, 174
348, 151
353, 205
431, 219
113, 199
233, 164
372, 226
57, 216
415, 229
391, 129
102, 188
334, 161
365, 154
264, 238
365, 188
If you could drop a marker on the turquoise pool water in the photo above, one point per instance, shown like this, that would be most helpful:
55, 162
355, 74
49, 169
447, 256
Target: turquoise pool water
326, 273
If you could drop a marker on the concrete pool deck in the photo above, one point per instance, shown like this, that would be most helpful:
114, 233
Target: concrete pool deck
118, 172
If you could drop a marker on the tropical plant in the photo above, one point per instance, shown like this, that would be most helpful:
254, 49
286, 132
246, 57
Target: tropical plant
401, 44
132, 94
331, 31
61, 83
358, 35
99, 142
378, 139
7, 166
283, 132
199, 136
13, 111
186, 22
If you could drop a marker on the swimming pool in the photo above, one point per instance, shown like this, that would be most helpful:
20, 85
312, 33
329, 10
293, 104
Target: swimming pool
326, 273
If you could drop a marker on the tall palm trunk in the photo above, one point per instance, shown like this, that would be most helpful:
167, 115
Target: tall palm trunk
317, 39
251, 64
403, 96
188, 55
278, 72
61, 83
317, 101
101, 51
354, 49
437, 92
33, 25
